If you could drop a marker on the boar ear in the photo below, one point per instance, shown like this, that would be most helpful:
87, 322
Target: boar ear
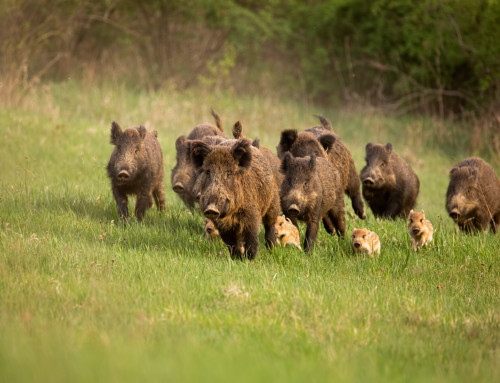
473, 173
368, 147
242, 153
179, 142
199, 150
326, 124
285, 162
237, 130
256, 143
155, 133
288, 137
327, 141
142, 132
312, 162
388, 146
116, 131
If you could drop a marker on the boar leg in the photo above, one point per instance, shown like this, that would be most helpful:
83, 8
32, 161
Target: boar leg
338, 220
495, 222
269, 220
144, 201
311, 233
327, 223
159, 196
353, 192
122, 203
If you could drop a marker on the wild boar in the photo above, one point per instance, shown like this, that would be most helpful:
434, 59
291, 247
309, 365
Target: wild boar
311, 192
136, 167
390, 186
324, 143
365, 241
286, 232
473, 196
420, 229
238, 193
183, 174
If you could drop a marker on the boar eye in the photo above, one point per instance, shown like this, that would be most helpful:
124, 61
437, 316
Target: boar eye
364, 236
411, 221
306, 184
421, 220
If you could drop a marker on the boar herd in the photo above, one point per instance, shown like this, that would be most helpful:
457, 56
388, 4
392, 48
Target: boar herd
239, 185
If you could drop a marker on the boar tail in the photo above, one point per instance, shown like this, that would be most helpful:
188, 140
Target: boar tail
218, 121
326, 124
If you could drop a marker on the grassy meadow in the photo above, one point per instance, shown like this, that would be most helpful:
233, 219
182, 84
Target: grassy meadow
85, 298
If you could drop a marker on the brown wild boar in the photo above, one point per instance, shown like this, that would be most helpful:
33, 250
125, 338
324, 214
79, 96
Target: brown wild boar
238, 192
322, 142
389, 184
473, 196
311, 192
136, 167
420, 229
286, 232
365, 241
183, 173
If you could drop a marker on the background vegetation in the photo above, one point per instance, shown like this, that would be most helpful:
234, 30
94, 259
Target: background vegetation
86, 298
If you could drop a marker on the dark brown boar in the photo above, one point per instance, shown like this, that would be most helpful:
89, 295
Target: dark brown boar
311, 192
330, 147
183, 173
136, 167
473, 196
389, 184
238, 192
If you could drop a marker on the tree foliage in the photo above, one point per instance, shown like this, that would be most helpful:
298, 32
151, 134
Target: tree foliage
436, 56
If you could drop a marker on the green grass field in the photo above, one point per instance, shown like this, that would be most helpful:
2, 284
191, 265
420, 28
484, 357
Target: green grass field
85, 298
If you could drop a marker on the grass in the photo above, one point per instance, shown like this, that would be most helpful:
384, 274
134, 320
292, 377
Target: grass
86, 298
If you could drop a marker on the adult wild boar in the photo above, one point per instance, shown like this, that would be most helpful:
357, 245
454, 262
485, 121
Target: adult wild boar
183, 173
473, 196
321, 141
311, 192
238, 192
389, 184
136, 167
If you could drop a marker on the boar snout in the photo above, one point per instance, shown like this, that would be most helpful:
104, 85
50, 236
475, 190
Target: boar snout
123, 175
211, 212
368, 181
293, 210
415, 229
178, 187
455, 214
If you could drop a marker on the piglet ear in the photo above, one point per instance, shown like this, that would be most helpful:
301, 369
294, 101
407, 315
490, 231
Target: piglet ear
199, 150
388, 146
116, 131
285, 162
142, 132
237, 130
327, 141
411, 211
288, 137
242, 153
312, 163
